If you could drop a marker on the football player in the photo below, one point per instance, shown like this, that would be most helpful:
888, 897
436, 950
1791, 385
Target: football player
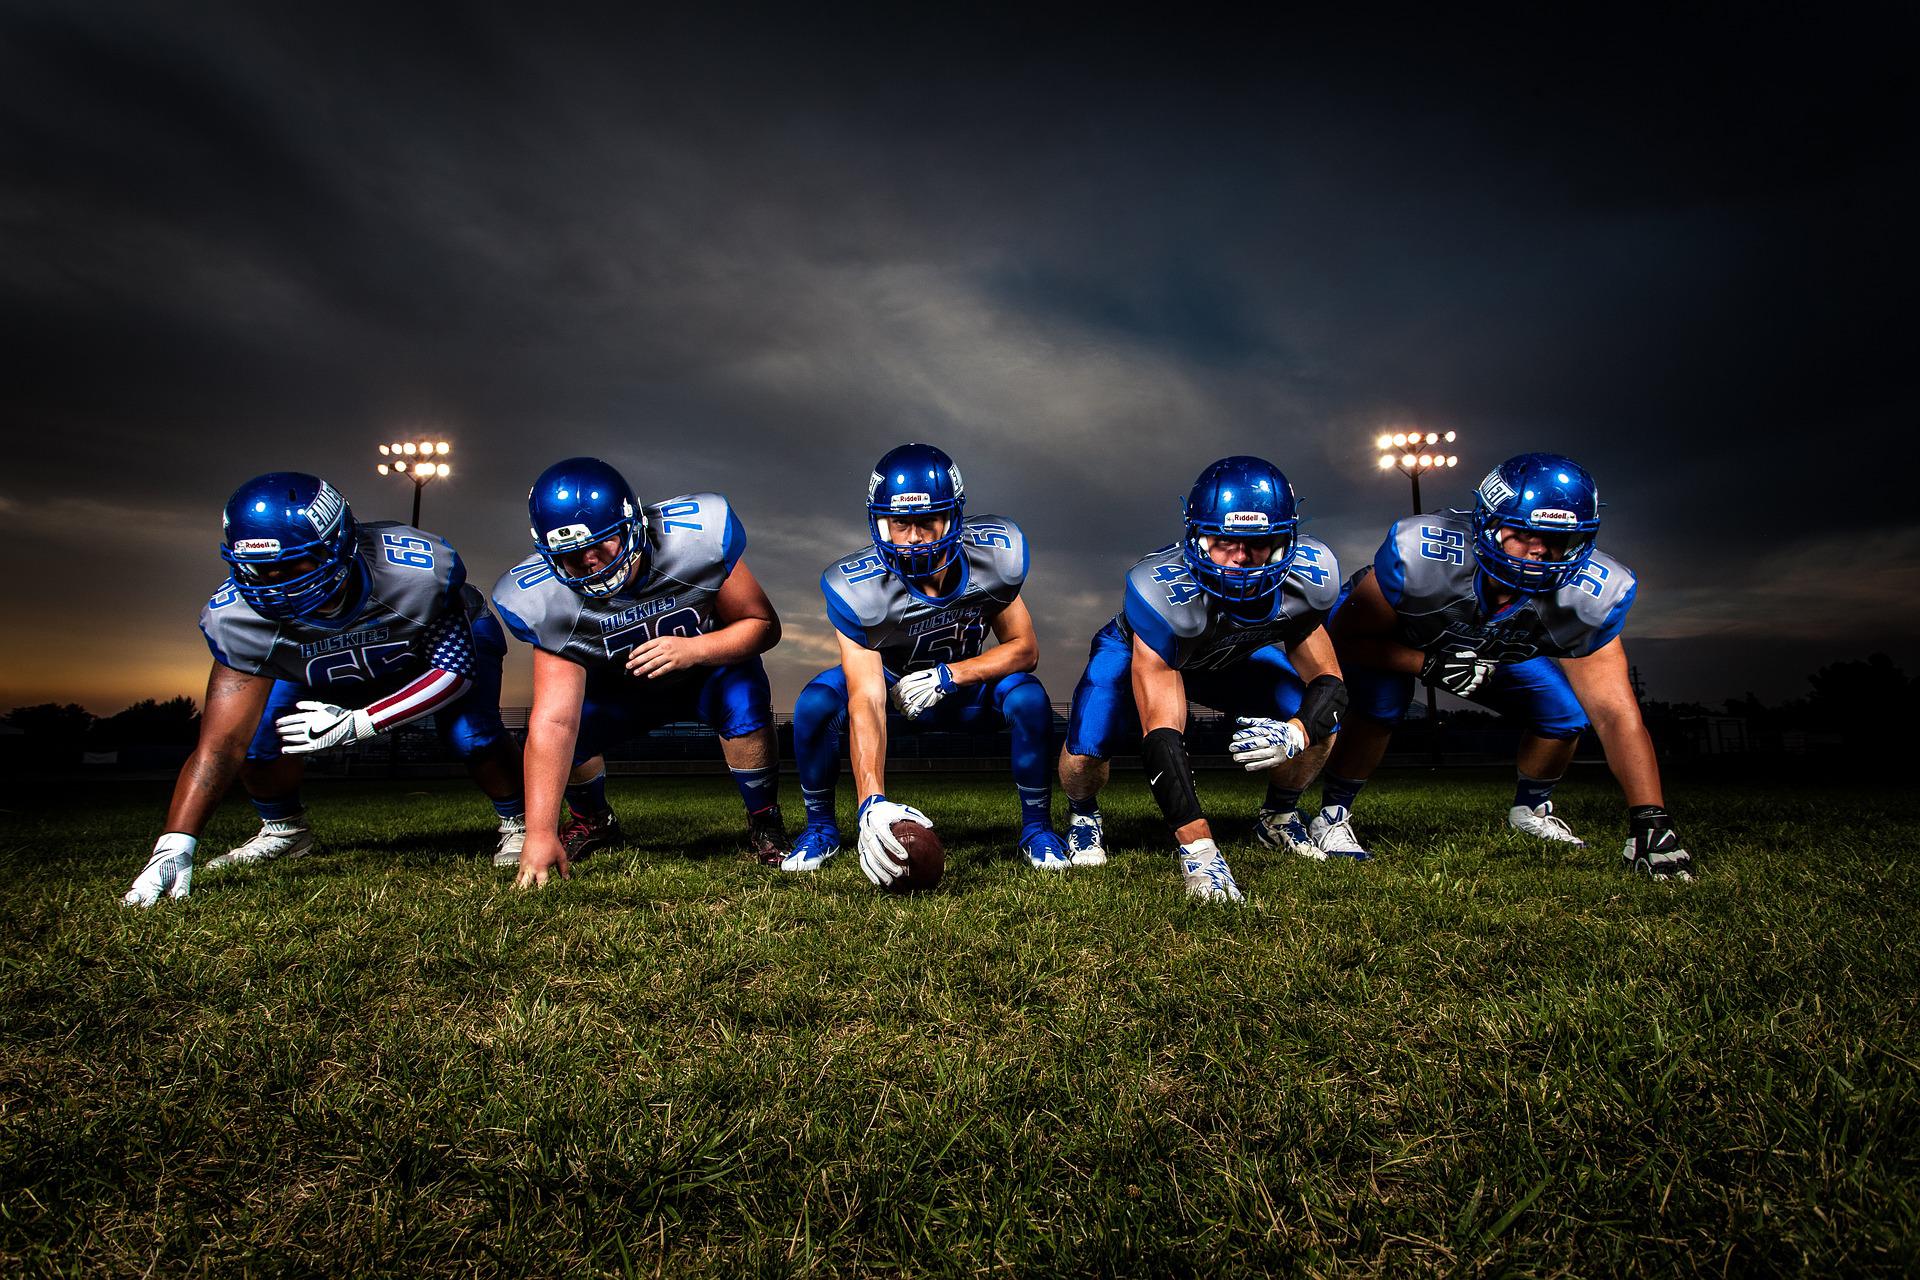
328, 632
912, 609
1232, 615
639, 616
1509, 606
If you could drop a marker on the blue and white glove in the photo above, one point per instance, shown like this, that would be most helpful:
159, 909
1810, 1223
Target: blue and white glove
1458, 671
1261, 743
169, 870
915, 695
316, 726
882, 856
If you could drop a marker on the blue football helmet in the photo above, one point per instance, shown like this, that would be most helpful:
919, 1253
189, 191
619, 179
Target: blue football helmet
289, 543
1544, 493
1241, 497
581, 502
916, 480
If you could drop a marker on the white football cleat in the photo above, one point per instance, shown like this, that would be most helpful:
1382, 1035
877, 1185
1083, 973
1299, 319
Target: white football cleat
1085, 842
1332, 833
513, 838
1205, 873
1279, 829
277, 838
1543, 822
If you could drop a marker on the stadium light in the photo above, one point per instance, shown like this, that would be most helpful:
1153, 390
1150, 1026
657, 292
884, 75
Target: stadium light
423, 469
1414, 453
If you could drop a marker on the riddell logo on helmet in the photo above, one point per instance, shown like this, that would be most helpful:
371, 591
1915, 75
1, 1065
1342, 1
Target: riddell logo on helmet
567, 537
257, 547
1245, 521
906, 501
1553, 518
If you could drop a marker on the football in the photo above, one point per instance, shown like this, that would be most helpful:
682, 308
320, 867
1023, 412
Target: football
926, 858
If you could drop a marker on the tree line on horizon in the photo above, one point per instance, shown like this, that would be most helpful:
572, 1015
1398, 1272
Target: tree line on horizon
1866, 702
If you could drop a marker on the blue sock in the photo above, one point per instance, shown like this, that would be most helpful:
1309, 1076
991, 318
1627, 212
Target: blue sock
513, 807
1088, 808
1531, 793
1281, 798
1339, 792
819, 807
277, 808
1035, 809
759, 788
589, 798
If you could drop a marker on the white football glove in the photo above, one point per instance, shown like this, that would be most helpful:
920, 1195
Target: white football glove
169, 870
882, 856
316, 726
1260, 743
914, 695
1458, 671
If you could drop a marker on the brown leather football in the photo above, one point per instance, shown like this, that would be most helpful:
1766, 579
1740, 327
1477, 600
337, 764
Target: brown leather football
926, 857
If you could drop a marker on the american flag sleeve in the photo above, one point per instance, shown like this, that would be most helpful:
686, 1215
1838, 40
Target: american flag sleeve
448, 645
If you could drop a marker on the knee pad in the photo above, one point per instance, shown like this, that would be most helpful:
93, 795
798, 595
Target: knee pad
1321, 708
1170, 777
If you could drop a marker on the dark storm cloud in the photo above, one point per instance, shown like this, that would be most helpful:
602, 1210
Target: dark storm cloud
744, 254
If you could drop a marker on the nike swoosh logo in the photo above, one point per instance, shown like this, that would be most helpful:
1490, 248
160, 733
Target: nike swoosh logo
1154, 781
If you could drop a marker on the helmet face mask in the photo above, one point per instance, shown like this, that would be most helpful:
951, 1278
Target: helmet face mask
577, 505
916, 483
289, 544
1540, 496
1248, 500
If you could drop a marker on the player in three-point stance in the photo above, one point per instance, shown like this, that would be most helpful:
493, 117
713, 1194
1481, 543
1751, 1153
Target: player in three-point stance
912, 610
1509, 606
1231, 615
328, 632
639, 616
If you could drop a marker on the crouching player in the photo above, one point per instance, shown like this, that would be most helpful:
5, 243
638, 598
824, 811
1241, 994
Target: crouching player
912, 609
1509, 606
639, 616
329, 632
1232, 616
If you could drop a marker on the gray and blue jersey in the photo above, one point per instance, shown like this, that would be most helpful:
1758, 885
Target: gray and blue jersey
408, 608
1428, 572
878, 609
695, 540
1192, 630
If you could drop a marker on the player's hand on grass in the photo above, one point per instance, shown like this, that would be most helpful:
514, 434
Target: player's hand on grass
882, 856
663, 655
916, 694
317, 726
542, 857
1653, 846
1261, 743
169, 870
1459, 671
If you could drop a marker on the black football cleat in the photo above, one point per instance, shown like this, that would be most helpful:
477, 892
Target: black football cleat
584, 837
767, 837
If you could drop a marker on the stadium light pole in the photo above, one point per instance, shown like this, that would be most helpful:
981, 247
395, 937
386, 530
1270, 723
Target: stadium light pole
1413, 453
420, 461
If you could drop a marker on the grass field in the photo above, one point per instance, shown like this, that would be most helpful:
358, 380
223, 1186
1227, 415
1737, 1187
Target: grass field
1475, 1054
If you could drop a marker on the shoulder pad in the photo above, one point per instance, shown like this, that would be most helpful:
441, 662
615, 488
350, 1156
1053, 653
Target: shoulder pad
236, 635
996, 546
1315, 574
1163, 596
536, 606
696, 539
858, 587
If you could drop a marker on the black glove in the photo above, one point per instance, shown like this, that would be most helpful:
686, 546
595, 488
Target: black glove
1459, 671
1653, 846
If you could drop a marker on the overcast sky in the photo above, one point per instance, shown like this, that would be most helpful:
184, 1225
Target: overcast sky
750, 254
